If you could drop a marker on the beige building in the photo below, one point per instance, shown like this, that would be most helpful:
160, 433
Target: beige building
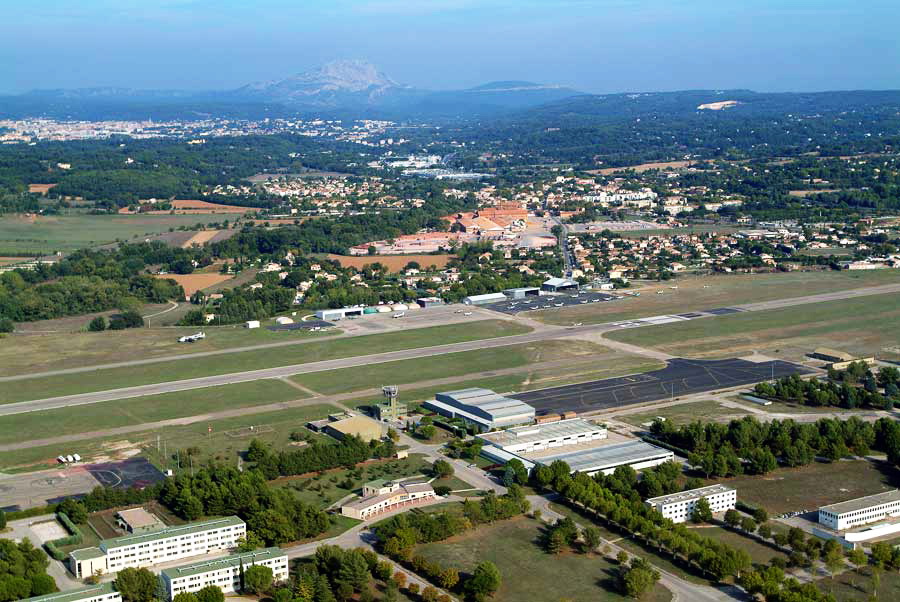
383, 496
357, 426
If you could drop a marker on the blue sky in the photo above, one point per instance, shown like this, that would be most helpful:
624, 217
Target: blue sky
592, 45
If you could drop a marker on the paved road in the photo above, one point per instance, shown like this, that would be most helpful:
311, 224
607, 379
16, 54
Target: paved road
546, 333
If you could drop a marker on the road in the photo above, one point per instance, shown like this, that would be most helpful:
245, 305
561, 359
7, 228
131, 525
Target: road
544, 333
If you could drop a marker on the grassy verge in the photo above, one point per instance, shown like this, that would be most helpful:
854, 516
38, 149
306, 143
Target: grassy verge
759, 552
684, 413
98, 380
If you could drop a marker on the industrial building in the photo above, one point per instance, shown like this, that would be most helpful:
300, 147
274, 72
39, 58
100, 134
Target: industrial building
383, 496
484, 299
329, 315
558, 285
678, 507
607, 458
522, 292
356, 426
481, 408
426, 302
539, 437
103, 592
853, 513
225, 573
147, 549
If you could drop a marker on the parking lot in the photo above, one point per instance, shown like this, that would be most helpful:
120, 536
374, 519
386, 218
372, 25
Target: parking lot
513, 306
680, 377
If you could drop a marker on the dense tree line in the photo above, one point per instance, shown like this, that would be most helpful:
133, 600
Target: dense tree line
748, 445
317, 457
841, 390
23, 571
274, 515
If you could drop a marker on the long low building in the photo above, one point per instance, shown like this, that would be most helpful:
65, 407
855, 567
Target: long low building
605, 459
540, 437
678, 507
481, 408
383, 496
165, 545
853, 513
103, 592
225, 573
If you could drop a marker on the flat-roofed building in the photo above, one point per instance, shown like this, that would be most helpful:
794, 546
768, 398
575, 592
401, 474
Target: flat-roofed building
678, 507
103, 592
383, 496
481, 408
225, 573
138, 520
540, 437
358, 426
852, 513
165, 545
607, 458
484, 299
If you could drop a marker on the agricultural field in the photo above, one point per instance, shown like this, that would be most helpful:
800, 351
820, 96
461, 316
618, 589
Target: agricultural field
112, 378
853, 325
454, 364
683, 413
191, 283
140, 410
818, 484
217, 440
394, 263
46, 234
528, 572
723, 290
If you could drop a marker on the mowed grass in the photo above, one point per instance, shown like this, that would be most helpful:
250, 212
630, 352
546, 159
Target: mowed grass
528, 572
859, 586
858, 326
139, 410
217, 440
759, 552
815, 485
722, 290
48, 234
453, 364
112, 378
683, 413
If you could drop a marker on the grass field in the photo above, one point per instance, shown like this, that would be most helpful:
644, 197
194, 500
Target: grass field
818, 484
48, 234
759, 552
528, 572
226, 438
853, 586
706, 410
112, 378
138, 410
723, 290
454, 364
853, 325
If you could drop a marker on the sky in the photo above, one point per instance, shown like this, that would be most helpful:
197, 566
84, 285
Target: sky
596, 46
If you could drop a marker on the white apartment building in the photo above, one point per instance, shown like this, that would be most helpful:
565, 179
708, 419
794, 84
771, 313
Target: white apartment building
103, 592
678, 507
852, 513
225, 573
165, 545
382, 496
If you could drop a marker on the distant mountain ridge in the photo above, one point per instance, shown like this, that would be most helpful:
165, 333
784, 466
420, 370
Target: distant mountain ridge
345, 85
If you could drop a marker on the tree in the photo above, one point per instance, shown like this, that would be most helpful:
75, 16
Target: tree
485, 580
702, 512
74, 509
637, 578
591, 536
519, 471
98, 324
353, 571
427, 431
7, 325
555, 542
136, 585
748, 524
211, 593
858, 558
185, 597
760, 515
732, 518
393, 435
448, 578
833, 555
765, 531
2, 519
257, 579
442, 469
250, 542
881, 554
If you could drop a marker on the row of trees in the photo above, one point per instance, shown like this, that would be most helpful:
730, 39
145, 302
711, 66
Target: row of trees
840, 392
317, 457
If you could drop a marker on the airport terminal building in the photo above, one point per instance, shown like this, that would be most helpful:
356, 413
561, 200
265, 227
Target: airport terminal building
481, 408
165, 545
225, 573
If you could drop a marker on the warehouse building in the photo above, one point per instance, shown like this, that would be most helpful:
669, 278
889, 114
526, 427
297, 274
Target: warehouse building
540, 437
852, 513
356, 426
522, 292
678, 507
330, 315
147, 549
104, 592
484, 299
225, 573
481, 408
606, 459
382, 496
558, 285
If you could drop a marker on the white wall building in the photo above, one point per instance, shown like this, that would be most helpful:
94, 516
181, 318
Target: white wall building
171, 543
539, 437
852, 513
383, 496
224, 573
678, 507
103, 592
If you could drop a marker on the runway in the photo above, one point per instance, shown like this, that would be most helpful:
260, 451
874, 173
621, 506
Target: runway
680, 377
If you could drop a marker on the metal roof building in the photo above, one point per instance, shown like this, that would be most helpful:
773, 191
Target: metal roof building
538, 437
860, 511
607, 458
104, 592
559, 284
481, 407
483, 299
225, 573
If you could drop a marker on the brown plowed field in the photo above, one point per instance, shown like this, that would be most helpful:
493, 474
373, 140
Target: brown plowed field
394, 263
192, 283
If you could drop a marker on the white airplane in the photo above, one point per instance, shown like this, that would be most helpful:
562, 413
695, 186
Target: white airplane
192, 338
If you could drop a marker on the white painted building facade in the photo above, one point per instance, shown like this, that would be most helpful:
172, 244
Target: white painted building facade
678, 507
